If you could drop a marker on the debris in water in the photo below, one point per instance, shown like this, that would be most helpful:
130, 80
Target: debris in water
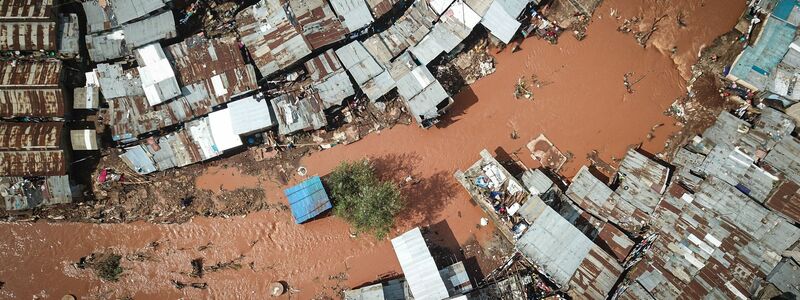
521, 89
197, 268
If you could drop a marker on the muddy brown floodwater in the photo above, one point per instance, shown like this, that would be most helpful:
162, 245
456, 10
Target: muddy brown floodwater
581, 106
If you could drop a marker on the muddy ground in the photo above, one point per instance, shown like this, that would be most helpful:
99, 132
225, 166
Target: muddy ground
231, 212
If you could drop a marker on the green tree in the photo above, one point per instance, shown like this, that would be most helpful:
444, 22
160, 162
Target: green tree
363, 200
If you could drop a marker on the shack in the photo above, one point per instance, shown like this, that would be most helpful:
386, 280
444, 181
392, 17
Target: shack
307, 199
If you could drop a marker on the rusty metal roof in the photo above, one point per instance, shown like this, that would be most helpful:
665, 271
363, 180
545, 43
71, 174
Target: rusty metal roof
30, 74
32, 163
28, 36
128, 117
25, 9
319, 25
614, 241
642, 180
197, 58
273, 41
786, 200
30, 136
321, 66
380, 7
410, 28
31, 103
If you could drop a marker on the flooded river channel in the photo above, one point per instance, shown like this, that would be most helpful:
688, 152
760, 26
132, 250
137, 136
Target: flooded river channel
580, 106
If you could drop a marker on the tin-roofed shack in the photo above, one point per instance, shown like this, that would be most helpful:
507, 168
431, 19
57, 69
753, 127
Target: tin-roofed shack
31, 88
33, 163
120, 42
298, 114
108, 14
30, 136
319, 25
68, 35
330, 81
272, 40
27, 25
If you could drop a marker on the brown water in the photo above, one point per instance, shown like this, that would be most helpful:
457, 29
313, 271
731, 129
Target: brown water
583, 108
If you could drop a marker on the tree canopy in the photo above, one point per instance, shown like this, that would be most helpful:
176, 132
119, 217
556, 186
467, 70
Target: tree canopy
362, 199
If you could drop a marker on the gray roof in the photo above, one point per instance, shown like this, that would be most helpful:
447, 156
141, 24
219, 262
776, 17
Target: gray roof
114, 82
355, 14
334, 89
86, 97
786, 276
502, 25
418, 266
536, 181
68, 34
367, 72
456, 279
370, 292
410, 28
107, 46
785, 157
117, 12
298, 114
273, 41
159, 27
642, 180
688, 165
139, 159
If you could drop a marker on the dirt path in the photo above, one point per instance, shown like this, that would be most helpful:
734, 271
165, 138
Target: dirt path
581, 106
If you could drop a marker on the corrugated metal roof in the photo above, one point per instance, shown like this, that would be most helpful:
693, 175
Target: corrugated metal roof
32, 163
786, 200
307, 199
139, 159
86, 97
786, 276
197, 58
355, 14
27, 36
334, 89
103, 15
380, 7
68, 34
370, 292
30, 136
30, 74
321, 66
272, 40
614, 241
107, 46
319, 25
251, 114
502, 25
536, 181
426, 103
26, 9
84, 139
115, 82
158, 78
129, 117
298, 114
642, 180
514, 7
158, 27
34, 103
785, 157
366, 71
19, 193
456, 279
418, 266
410, 28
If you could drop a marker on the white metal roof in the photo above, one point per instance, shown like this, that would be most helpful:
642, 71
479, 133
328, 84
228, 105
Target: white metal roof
418, 266
222, 130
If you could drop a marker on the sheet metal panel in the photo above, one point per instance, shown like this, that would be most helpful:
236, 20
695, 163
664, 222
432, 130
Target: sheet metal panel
418, 266
355, 14
307, 199
319, 25
502, 25
84, 139
323, 65
68, 34
272, 40
298, 114
197, 58
32, 103
108, 14
25, 9
158, 27
30, 74
115, 82
27, 36
139, 159
33, 163
107, 45
380, 7
30, 136
251, 114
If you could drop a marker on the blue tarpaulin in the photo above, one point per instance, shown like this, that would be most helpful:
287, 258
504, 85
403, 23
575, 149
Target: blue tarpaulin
307, 199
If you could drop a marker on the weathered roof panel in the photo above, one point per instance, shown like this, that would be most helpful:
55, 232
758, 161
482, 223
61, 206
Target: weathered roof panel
28, 36
158, 27
107, 46
298, 114
319, 25
33, 163
25, 9
272, 40
158, 78
30, 136
68, 34
84, 139
20, 193
115, 82
418, 266
34, 103
355, 14
30, 74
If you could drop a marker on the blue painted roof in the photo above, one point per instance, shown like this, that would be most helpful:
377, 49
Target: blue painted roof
784, 9
307, 199
755, 63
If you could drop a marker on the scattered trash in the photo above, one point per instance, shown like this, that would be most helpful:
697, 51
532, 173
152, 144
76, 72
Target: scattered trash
484, 222
302, 171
